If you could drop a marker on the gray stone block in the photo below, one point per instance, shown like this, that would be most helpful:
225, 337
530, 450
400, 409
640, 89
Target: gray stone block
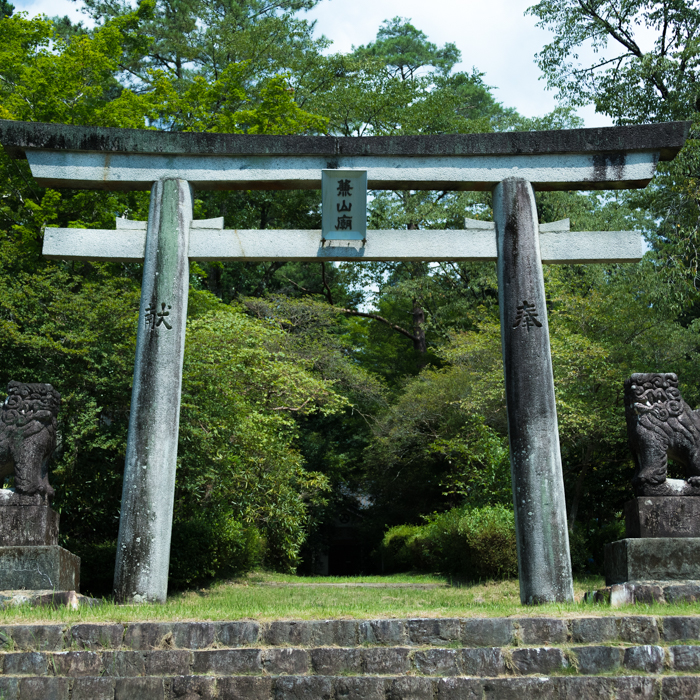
639, 630
291, 662
635, 688
543, 660
573, 688
6, 642
410, 688
77, 663
93, 689
652, 559
663, 516
24, 524
542, 630
27, 663
682, 593
487, 632
45, 689
342, 633
389, 661
680, 629
437, 662
360, 688
382, 632
123, 664
193, 635
36, 568
91, 636
594, 629
139, 688
291, 633
334, 662
482, 662
149, 635
680, 688
37, 637
9, 688
193, 688
459, 689
244, 688
168, 663
685, 658
227, 662
237, 634
645, 658
436, 631
594, 660
303, 688
521, 688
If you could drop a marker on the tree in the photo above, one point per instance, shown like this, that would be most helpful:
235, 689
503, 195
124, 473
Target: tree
6, 9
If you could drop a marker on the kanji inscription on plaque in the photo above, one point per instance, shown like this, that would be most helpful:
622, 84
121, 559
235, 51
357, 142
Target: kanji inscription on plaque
344, 203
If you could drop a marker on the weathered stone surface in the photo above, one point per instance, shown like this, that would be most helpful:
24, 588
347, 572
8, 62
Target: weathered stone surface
594, 629
123, 664
652, 559
9, 688
437, 662
27, 440
145, 526
22, 526
93, 689
685, 658
542, 630
459, 689
482, 662
228, 662
538, 660
573, 688
359, 688
594, 660
520, 688
386, 661
334, 662
487, 632
680, 688
342, 633
47, 598
639, 629
663, 516
433, 630
91, 636
244, 688
193, 635
167, 663
382, 632
645, 658
292, 633
542, 537
410, 688
141, 688
680, 629
635, 688
149, 635
193, 688
77, 663
303, 688
45, 689
285, 661
37, 637
50, 567
682, 593
28, 663
237, 634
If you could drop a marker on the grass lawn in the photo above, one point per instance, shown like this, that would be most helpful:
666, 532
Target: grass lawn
254, 597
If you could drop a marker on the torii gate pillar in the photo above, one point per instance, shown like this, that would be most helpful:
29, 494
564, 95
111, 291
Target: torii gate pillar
541, 530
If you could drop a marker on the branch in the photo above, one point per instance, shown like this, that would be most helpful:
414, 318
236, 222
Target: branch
376, 317
329, 296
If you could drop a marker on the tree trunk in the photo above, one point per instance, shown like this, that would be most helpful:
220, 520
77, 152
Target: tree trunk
419, 344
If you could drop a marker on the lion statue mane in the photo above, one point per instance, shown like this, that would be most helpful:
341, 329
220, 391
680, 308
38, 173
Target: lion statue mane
28, 436
660, 424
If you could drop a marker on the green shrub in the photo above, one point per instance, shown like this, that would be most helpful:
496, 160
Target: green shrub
470, 543
211, 546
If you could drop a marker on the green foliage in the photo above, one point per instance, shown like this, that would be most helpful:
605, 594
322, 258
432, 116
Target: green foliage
469, 543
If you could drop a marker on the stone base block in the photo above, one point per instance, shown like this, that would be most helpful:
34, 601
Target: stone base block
26, 520
652, 559
39, 568
69, 599
663, 516
646, 592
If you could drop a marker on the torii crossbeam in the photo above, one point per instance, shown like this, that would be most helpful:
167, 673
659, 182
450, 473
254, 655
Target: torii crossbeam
512, 165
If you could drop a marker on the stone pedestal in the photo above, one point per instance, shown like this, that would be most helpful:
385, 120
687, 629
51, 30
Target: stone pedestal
663, 516
652, 559
26, 520
39, 568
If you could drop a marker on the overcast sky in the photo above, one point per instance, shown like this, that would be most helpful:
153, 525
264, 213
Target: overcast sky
495, 36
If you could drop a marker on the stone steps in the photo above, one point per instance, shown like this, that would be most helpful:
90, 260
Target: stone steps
596, 658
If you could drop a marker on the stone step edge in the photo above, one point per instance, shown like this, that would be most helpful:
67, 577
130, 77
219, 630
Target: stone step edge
325, 661
349, 687
473, 632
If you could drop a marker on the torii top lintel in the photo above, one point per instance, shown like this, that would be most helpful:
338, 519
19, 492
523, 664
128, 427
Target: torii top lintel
620, 157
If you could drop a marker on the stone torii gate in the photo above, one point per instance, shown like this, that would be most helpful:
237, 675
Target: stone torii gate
512, 165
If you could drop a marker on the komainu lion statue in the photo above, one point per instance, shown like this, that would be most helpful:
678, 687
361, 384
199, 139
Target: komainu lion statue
660, 425
28, 436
